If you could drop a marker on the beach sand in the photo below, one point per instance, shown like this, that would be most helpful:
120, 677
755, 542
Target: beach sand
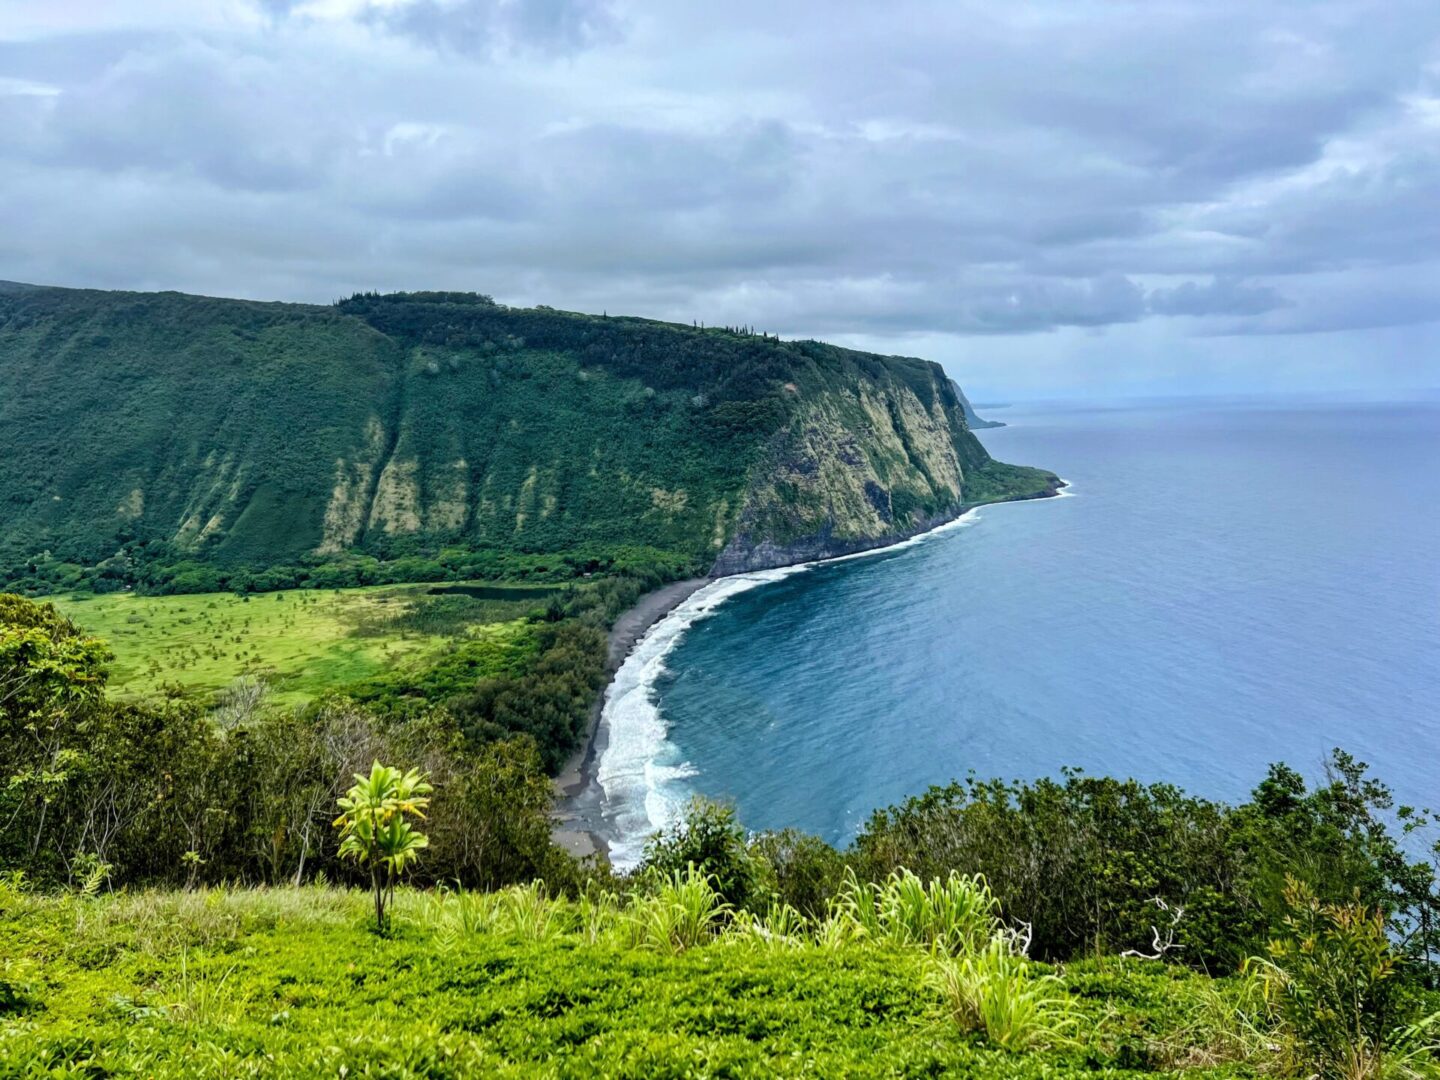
576, 794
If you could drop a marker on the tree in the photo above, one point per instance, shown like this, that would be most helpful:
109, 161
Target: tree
375, 830
1332, 980
296, 762
51, 676
710, 838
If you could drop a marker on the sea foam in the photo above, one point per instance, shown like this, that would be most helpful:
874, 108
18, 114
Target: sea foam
641, 772
640, 769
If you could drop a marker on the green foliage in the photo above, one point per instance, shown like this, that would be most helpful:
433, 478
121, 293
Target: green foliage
995, 481
681, 910
168, 443
99, 794
375, 828
1331, 979
957, 914
536, 674
48, 667
527, 912
709, 840
1084, 860
300, 643
289, 982
992, 989
803, 869
455, 671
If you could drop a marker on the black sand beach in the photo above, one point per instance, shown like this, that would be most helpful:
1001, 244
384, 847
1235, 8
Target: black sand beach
576, 797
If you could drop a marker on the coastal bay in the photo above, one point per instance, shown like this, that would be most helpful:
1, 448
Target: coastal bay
1161, 623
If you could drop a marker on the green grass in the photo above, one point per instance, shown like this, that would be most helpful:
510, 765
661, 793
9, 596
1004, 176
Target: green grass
303, 642
292, 983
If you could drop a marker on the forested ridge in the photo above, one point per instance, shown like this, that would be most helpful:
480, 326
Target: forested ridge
168, 442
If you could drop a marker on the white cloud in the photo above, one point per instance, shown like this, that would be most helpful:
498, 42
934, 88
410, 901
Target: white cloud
893, 172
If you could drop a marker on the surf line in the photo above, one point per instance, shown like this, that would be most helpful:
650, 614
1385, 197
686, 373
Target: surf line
640, 772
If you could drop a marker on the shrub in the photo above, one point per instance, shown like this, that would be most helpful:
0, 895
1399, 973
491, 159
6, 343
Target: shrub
1084, 860
1331, 980
375, 829
780, 927
527, 911
803, 871
709, 838
954, 914
684, 911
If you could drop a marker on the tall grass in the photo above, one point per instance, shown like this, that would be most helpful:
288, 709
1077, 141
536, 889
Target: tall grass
971, 961
527, 912
162, 923
199, 996
956, 914
1004, 996
780, 927
1222, 1028
682, 912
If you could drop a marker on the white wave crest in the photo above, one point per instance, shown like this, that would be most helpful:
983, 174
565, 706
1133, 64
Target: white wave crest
639, 771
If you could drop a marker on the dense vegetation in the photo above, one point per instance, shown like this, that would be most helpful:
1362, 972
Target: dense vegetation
247, 788
663, 977
171, 443
290, 983
982, 927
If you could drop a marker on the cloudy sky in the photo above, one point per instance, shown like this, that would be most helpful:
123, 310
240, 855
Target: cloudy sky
1052, 198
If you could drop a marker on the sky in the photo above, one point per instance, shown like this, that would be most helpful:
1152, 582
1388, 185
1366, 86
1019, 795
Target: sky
1077, 198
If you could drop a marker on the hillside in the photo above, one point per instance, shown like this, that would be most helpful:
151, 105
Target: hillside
180, 443
975, 422
176, 900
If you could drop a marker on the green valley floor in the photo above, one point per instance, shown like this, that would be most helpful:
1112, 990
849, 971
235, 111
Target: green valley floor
302, 642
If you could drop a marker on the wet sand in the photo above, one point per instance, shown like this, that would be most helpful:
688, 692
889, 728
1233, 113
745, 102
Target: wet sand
576, 798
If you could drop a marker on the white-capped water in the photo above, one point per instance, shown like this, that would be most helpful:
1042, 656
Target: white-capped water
1234, 585
640, 772
639, 768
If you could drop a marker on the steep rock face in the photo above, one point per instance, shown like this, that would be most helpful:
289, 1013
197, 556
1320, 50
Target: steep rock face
248, 434
213, 423
857, 467
974, 422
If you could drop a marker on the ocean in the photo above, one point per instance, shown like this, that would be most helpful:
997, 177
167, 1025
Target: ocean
1224, 585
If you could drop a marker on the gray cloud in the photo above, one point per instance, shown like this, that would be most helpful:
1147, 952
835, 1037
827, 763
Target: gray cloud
890, 172
1220, 296
480, 26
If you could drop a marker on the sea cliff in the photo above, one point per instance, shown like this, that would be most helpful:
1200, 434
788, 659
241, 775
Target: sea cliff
184, 443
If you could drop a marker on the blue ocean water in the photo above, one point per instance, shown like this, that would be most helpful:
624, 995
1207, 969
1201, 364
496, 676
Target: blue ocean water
1230, 585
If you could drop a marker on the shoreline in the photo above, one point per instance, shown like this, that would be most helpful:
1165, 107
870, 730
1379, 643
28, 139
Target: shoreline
577, 778
576, 785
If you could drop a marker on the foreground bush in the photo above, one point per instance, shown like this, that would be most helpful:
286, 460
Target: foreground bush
1097, 865
994, 990
1332, 980
291, 982
161, 792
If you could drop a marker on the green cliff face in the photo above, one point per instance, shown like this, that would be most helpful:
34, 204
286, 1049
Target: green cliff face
232, 433
872, 458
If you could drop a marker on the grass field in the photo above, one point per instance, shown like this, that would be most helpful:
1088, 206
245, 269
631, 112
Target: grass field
291, 983
302, 642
